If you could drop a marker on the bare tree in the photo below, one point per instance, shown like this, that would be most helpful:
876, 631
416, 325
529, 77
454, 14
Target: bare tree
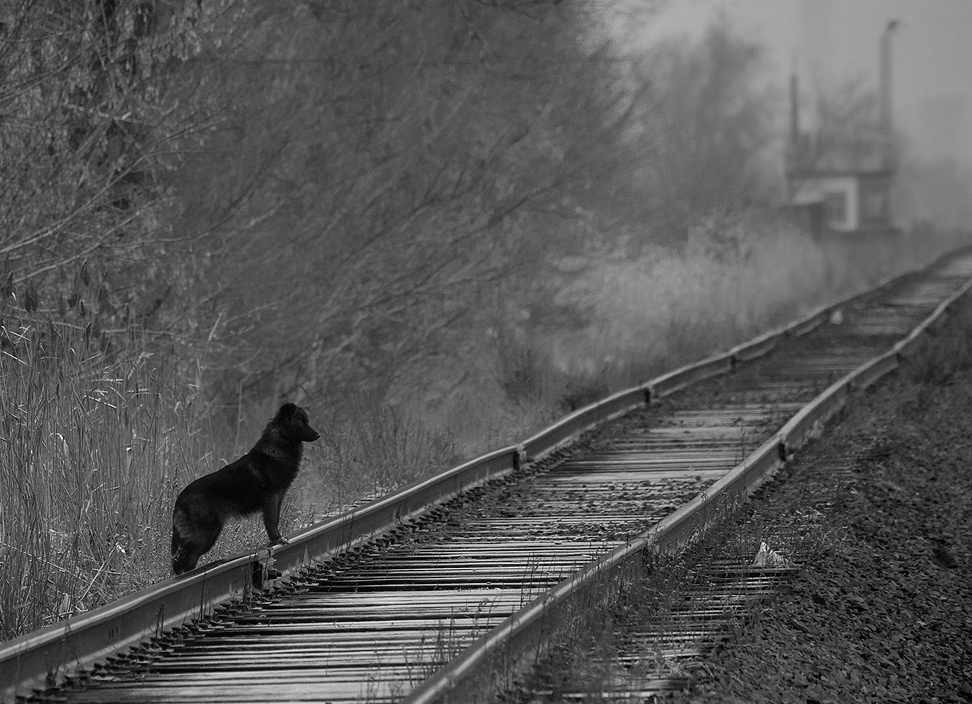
709, 123
370, 165
848, 130
86, 133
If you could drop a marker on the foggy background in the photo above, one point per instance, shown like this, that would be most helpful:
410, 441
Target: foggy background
833, 42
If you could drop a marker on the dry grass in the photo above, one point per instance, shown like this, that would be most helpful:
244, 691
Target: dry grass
944, 352
97, 437
371, 449
98, 434
734, 280
650, 315
94, 443
657, 313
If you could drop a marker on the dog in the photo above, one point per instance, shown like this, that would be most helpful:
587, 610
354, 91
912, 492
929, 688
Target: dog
255, 482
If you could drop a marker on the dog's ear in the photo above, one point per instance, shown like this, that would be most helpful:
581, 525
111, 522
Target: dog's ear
287, 410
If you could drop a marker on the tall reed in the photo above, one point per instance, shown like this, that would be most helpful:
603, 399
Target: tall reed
96, 435
99, 431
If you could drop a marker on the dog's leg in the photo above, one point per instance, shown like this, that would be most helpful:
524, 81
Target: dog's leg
282, 540
271, 518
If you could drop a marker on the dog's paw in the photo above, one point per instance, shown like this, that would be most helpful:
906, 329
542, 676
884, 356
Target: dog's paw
282, 541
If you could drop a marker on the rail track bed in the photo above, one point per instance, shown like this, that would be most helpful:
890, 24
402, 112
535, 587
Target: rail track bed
372, 623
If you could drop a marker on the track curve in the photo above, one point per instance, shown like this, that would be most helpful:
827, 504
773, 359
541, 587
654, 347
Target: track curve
373, 622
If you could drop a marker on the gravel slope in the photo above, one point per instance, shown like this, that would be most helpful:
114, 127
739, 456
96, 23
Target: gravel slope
886, 614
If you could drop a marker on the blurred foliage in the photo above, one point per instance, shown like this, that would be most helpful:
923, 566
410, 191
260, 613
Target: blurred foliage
374, 169
300, 197
87, 119
710, 123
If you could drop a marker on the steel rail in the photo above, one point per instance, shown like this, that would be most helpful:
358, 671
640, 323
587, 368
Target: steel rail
41, 658
520, 640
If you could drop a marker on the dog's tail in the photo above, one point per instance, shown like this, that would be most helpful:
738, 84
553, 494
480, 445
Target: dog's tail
196, 524
181, 554
189, 538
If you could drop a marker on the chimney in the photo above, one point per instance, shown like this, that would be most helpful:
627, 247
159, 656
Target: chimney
794, 111
887, 125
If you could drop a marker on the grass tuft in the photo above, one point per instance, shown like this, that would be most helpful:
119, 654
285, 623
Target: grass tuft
944, 353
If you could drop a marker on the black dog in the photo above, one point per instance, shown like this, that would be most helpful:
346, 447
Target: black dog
255, 482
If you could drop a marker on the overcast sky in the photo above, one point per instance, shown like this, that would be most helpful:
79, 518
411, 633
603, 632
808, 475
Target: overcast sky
835, 40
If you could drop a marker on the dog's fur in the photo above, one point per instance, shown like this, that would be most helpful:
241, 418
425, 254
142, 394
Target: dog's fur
255, 482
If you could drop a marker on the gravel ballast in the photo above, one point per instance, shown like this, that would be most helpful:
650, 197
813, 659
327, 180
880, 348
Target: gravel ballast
885, 615
876, 515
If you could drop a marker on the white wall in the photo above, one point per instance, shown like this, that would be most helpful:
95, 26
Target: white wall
816, 189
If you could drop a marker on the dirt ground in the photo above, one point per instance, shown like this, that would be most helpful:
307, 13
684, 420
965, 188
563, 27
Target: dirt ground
885, 615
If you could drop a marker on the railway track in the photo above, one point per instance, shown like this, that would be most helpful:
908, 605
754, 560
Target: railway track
424, 594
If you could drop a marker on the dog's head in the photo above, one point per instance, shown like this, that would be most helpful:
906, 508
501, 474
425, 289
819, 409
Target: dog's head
293, 422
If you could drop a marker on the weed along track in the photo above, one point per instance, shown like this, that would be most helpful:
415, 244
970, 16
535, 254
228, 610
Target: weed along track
444, 588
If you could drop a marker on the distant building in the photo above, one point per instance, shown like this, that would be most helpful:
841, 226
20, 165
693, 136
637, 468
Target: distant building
842, 183
846, 191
